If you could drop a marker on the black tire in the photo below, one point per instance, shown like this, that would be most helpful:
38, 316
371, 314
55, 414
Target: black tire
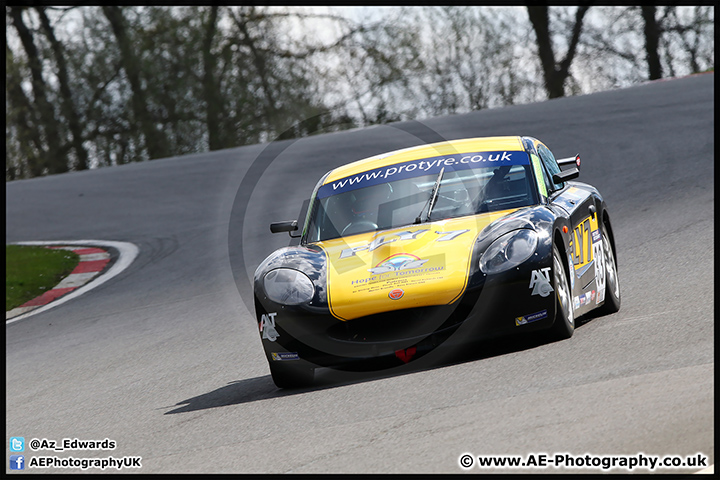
612, 282
285, 376
564, 325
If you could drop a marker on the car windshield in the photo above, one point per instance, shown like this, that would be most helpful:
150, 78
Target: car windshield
390, 204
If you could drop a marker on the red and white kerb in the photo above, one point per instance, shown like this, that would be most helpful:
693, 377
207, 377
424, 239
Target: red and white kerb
92, 262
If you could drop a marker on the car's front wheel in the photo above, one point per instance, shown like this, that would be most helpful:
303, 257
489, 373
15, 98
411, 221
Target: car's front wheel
564, 325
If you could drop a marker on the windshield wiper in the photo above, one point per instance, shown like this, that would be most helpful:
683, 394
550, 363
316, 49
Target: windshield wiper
432, 199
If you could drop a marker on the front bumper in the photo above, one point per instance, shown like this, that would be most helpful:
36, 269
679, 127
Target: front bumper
494, 306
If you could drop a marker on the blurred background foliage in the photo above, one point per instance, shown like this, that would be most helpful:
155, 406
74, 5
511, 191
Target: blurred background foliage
89, 87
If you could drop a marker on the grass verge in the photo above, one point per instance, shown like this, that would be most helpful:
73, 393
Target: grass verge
30, 271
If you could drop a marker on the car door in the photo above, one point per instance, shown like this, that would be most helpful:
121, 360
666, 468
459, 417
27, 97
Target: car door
579, 204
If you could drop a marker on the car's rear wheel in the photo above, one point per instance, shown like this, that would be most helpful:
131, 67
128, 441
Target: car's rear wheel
564, 325
291, 376
612, 283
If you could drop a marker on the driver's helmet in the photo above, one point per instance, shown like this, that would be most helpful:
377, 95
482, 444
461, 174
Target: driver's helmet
497, 183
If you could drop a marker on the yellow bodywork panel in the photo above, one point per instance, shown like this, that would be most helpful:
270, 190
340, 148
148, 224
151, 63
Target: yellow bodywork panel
413, 266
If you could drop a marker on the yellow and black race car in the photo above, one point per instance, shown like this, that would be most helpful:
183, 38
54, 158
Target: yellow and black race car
431, 246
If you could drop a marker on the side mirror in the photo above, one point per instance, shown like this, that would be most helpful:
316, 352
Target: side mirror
570, 173
565, 175
570, 161
289, 227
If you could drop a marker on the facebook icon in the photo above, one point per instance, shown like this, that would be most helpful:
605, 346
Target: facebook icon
17, 462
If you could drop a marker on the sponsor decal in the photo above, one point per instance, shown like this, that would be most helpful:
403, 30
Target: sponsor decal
575, 194
396, 294
585, 299
267, 327
383, 240
600, 297
572, 277
282, 356
533, 317
540, 282
596, 237
399, 261
357, 289
447, 236
400, 236
576, 302
537, 167
390, 276
420, 167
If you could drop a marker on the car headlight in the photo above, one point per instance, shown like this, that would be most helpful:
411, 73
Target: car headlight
508, 251
288, 287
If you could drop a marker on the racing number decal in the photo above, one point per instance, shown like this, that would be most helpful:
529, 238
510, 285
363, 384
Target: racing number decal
585, 246
599, 270
582, 237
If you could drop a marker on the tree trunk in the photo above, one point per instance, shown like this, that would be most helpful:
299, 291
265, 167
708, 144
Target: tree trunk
68, 106
21, 115
214, 107
272, 116
554, 74
56, 161
155, 140
652, 41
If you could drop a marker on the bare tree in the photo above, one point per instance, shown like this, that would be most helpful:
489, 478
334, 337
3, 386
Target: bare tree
555, 73
167, 81
66, 97
55, 157
652, 41
624, 45
214, 111
23, 133
690, 37
155, 140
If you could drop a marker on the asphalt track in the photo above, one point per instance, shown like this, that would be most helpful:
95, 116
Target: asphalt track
165, 358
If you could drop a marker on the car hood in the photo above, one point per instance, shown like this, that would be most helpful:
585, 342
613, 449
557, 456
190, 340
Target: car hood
414, 266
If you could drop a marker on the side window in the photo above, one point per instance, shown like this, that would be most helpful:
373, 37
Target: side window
542, 182
550, 164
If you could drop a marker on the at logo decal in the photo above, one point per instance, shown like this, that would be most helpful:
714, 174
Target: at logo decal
540, 282
267, 327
